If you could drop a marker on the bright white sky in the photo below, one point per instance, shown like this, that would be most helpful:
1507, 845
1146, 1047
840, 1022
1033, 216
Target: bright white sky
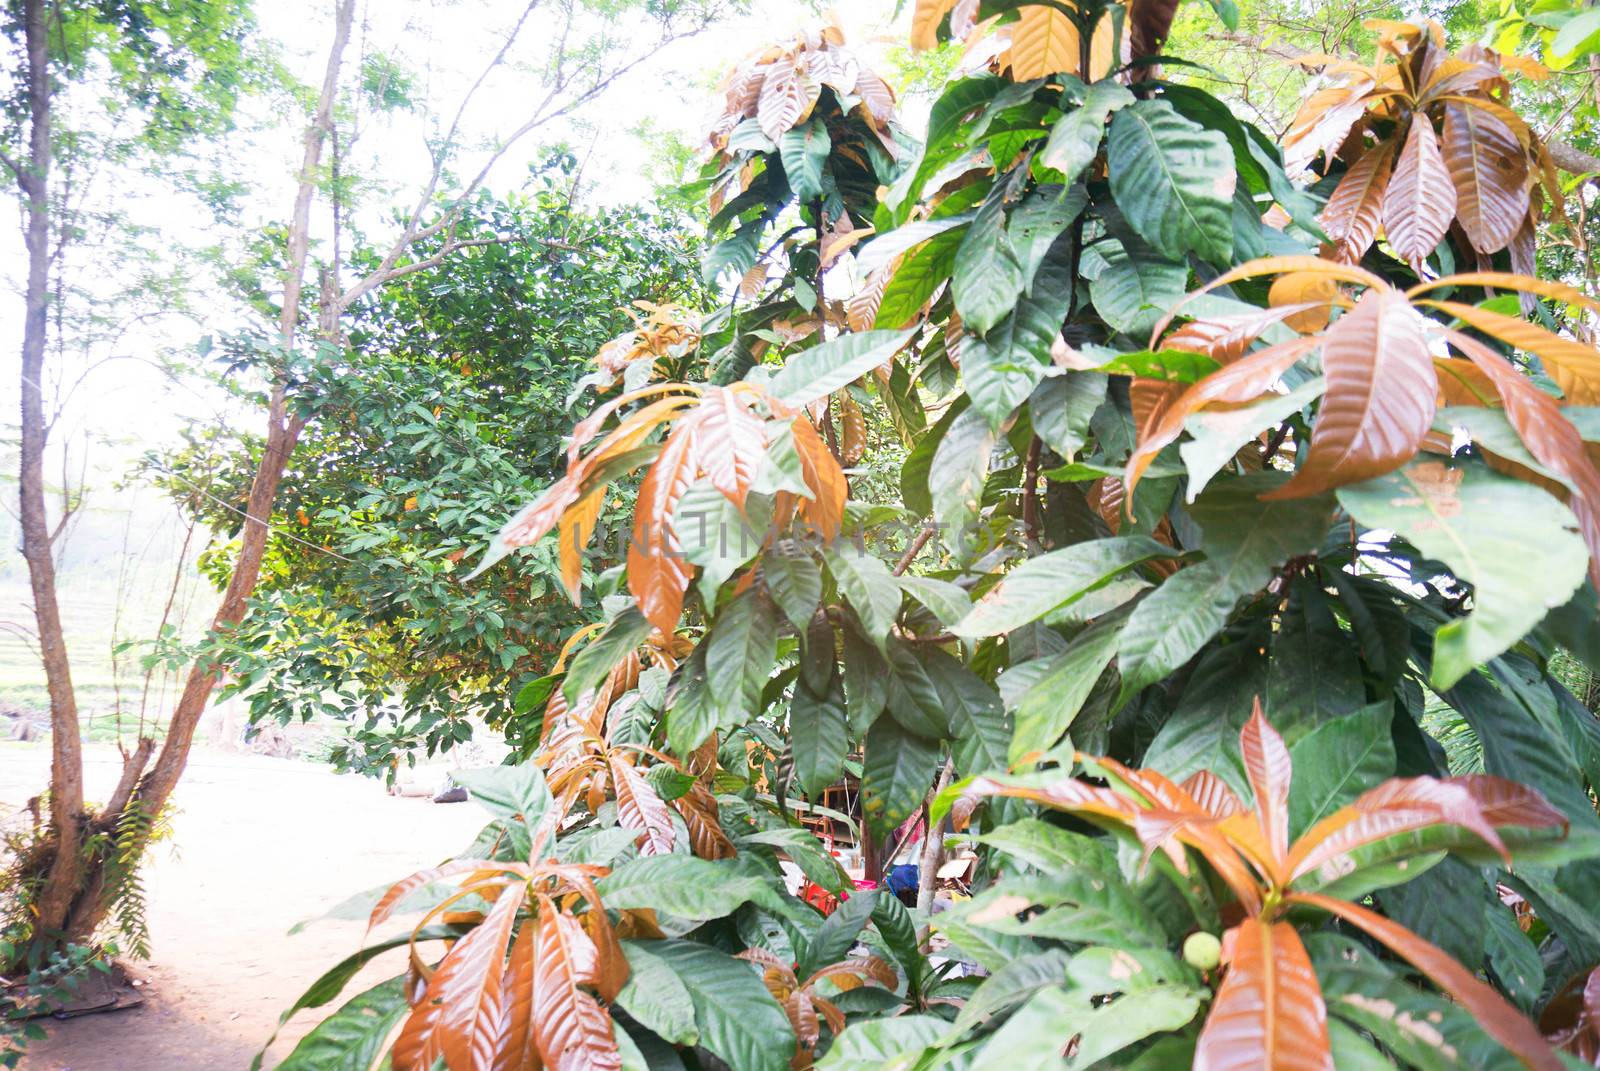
129, 406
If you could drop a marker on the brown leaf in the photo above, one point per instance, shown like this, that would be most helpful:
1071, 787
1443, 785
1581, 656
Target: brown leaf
1497, 1018
1380, 397
1212, 794
925, 19
1355, 209
1547, 434
700, 814
1148, 24
1421, 199
1043, 42
1574, 366
1243, 381
513, 1046
1266, 763
730, 442
571, 1029
786, 99
459, 1018
1322, 123
1269, 1012
657, 570
822, 474
1227, 338
1316, 291
1490, 170
639, 808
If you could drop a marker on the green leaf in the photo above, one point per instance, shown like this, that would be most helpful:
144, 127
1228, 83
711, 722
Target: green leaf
987, 279
532, 696
979, 728
1314, 674
1574, 32
948, 602
740, 653
1480, 524
1173, 181
1001, 368
1047, 709
822, 369
1009, 986
958, 471
1203, 730
1050, 848
1042, 585
1036, 224
837, 934
508, 791
917, 277
1217, 435
1513, 957
1245, 542
883, 1044
352, 1038
804, 151
1075, 139
685, 886
1080, 906
897, 773
1337, 761
919, 462
589, 666
736, 1018
716, 535
806, 852
1031, 1039
1444, 906
870, 587
1061, 407
1135, 286
794, 581
657, 997
691, 711
818, 737
884, 248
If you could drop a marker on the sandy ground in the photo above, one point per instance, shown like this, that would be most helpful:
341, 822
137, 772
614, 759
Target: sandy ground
259, 844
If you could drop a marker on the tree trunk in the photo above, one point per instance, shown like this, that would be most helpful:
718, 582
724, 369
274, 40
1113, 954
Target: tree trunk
66, 751
283, 432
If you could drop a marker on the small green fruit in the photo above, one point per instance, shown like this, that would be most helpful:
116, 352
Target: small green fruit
1202, 951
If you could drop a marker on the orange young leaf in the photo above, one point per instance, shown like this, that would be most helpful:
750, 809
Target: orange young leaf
1269, 1012
1421, 199
459, 1017
822, 474
1266, 763
1043, 42
571, 1030
1489, 167
639, 808
1243, 381
730, 442
1380, 398
657, 570
1497, 1018
1355, 209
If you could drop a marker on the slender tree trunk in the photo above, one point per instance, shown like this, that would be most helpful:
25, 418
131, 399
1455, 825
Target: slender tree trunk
283, 432
66, 752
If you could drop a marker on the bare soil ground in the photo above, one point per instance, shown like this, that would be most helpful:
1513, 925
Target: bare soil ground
259, 844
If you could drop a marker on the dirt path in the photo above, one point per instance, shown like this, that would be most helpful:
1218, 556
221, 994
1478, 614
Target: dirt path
258, 845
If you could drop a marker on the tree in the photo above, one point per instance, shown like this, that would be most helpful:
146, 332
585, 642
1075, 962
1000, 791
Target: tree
587, 47
450, 397
1210, 508
170, 74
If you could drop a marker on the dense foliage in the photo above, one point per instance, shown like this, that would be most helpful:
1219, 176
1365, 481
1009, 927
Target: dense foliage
450, 397
1212, 503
